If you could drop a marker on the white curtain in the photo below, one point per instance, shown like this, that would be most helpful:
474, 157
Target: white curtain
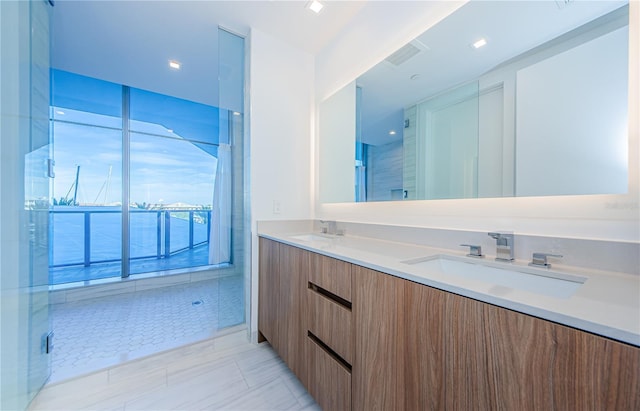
220, 240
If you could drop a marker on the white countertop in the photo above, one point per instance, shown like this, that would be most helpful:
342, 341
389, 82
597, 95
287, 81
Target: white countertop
607, 304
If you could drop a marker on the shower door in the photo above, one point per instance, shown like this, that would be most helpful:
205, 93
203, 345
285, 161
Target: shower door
24, 181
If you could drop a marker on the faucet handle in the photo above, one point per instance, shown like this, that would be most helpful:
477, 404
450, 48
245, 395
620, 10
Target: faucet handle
540, 259
474, 250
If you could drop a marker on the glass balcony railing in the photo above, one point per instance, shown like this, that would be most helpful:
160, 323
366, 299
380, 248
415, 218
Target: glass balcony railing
90, 236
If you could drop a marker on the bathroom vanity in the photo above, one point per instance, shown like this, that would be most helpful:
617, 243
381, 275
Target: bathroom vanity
363, 331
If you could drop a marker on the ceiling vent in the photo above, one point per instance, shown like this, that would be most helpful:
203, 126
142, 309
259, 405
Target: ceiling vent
406, 52
563, 3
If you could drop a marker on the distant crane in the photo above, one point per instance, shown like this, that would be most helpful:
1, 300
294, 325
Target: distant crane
74, 187
105, 186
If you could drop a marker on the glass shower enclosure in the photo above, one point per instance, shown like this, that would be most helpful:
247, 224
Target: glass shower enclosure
25, 171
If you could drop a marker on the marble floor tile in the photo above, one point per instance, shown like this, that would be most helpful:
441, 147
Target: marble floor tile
201, 376
272, 395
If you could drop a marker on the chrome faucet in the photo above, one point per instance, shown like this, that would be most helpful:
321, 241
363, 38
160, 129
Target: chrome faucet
540, 259
331, 228
504, 246
474, 250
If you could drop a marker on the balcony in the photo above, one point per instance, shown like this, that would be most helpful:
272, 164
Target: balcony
86, 241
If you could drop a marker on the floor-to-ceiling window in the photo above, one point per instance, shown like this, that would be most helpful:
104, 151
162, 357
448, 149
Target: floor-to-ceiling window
173, 148
86, 207
157, 159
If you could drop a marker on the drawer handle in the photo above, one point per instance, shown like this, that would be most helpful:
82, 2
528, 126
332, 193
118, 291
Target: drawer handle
328, 294
329, 351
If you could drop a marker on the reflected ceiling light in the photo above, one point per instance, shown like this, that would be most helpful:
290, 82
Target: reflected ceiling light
315, 6
174, 64
170, 130
60, 112
392, 133
479, 43
235, 113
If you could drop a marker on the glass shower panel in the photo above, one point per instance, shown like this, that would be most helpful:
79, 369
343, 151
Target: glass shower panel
231, 289
24, 182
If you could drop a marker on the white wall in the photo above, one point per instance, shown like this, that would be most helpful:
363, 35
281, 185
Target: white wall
614, 217
281, 121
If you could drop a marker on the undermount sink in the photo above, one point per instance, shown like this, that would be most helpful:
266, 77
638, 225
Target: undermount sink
313, 238
538, 281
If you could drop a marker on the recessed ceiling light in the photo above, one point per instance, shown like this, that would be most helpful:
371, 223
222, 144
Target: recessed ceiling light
479, 43
392, 133
315, 6
174, 64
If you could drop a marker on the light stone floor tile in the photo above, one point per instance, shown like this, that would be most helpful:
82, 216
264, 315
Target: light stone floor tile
258, 369
273, 395
201, 376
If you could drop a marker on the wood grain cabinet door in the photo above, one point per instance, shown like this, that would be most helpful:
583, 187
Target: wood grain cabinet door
537, 364
423, 348
376, 373
294, 269
268, 290
331, 382
467, 369
332, 275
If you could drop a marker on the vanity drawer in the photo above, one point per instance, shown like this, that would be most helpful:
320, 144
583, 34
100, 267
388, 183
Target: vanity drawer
329, 379
332, 275
330, 322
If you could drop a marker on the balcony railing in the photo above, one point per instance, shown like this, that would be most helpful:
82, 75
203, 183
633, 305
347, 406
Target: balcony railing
90, 235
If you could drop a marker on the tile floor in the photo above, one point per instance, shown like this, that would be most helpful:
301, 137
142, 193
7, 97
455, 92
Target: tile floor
225, 373
102, 332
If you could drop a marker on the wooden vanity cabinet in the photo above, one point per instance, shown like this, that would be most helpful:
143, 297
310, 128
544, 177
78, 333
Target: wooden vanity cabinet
269, 291
293, 308
304, 311
537, 364
282, 309
329, 332
417, 347
462, 354
377, 369
365, 340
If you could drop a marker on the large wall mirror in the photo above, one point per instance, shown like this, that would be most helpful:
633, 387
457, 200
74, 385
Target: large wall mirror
504, 98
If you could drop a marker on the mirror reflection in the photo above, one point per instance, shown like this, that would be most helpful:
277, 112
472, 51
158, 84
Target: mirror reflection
498, 99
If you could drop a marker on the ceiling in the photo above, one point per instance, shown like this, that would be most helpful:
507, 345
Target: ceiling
130, 42
447, 59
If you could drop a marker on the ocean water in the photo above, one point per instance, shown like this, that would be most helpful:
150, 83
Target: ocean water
147, 233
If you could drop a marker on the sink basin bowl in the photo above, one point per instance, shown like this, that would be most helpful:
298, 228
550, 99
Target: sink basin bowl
538, 281
312, 238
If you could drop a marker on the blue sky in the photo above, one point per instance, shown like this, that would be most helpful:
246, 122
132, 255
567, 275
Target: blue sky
165, 167
163, 170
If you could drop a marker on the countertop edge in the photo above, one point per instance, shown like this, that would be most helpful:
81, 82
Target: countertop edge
602, 330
